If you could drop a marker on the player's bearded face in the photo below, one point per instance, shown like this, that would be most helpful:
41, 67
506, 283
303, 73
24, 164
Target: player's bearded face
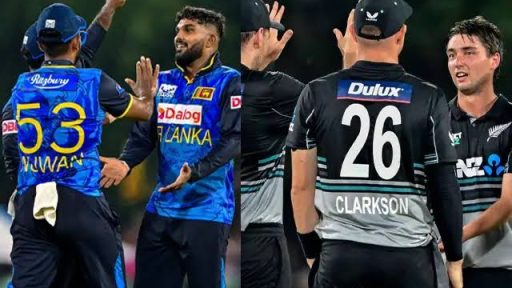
470, 66
189, 41
187, 53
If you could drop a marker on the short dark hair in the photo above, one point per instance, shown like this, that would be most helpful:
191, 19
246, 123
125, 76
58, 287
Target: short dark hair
203, 16
487, 32
54, 50
31, 62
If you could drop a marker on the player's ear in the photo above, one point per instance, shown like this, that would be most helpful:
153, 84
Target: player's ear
75, 44
495, 60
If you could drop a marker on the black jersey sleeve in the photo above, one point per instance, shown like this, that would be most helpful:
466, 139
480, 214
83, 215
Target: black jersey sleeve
140, 144
10, 141
301, 134
438, 148
230, 126
508, 165
284, 102
113, 98
95, 36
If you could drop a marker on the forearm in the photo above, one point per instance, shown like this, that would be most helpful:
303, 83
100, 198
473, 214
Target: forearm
494, 216
447, 206
304, 211
223, 152
105, 16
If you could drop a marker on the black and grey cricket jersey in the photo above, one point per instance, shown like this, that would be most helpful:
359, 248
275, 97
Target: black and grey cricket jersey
483, 148
268, 102
376, 129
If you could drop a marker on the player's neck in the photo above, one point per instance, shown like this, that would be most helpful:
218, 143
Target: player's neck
66, 57
193, 68
249, 58
478, 103
377, 55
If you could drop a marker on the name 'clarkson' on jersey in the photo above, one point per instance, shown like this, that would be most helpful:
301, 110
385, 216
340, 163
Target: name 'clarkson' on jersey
372, 205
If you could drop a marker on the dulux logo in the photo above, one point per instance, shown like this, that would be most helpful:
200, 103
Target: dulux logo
373, 90
49, 82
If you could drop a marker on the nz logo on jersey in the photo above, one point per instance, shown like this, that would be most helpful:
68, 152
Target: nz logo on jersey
472, 167
374, 91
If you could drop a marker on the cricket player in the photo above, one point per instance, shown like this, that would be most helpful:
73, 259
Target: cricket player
59, 110
269, 100
196, 129
366, 140
481, 135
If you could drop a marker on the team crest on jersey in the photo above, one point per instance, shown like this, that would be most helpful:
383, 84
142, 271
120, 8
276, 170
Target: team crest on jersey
9, 127
375, 91
166, 90
495, 131
203, 93
455, 138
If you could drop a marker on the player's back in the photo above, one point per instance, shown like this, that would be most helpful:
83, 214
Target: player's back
374, 127
59, 127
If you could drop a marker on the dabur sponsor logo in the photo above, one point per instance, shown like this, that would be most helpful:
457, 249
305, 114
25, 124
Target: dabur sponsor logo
179, 114
9, 127
374, 91
236, 102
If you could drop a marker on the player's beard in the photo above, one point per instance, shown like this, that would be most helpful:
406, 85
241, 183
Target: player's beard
190, 55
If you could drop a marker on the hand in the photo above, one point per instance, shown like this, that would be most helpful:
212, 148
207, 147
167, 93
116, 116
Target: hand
440, 245
346, 43
113, 172
455, 273
276, 46
184, 176
108, 119
146, 82
116, 4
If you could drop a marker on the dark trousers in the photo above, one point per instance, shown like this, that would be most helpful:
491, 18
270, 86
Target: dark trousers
348, 264
265, 260
487, 277
83, 249
168, 248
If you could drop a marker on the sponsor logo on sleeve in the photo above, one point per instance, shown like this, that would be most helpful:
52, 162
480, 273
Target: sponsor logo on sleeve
236, 102
375, 91
9, 127
203, 93
179, 114
166, 90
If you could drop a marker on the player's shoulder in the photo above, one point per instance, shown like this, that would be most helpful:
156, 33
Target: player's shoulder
325, 82
419, 83
283, 78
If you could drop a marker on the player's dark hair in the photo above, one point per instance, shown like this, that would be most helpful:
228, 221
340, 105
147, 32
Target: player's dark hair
203, 16
245, 36
488, 33
54, 50
31, 62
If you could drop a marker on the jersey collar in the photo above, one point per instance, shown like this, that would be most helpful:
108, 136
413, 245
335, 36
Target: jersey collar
211, 64
496, 112
59, 63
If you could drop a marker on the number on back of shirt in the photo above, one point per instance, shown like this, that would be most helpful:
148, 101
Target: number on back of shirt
380, 138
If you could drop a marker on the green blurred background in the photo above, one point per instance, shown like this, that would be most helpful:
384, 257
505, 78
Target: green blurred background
139, 28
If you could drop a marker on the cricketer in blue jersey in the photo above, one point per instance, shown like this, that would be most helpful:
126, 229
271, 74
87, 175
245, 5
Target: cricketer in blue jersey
196, 121
58, 110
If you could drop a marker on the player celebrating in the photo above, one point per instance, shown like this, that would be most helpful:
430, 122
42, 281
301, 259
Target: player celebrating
59, 110
482, 137
197, 121
367, 139
269, 99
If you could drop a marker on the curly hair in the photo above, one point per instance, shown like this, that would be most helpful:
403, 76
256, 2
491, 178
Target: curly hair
203, 16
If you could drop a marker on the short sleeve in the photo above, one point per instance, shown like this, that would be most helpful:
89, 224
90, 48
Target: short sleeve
301, 133
438, 145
